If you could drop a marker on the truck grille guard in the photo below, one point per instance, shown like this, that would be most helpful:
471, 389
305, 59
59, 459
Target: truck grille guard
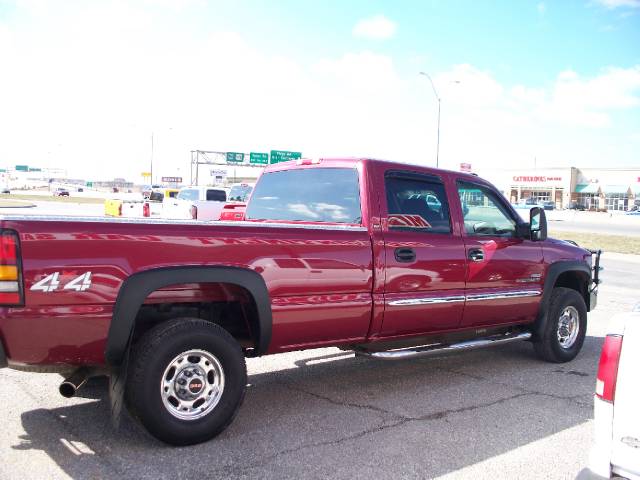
595, 269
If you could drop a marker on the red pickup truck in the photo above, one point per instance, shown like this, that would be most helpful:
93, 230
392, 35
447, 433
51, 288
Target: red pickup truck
386, 259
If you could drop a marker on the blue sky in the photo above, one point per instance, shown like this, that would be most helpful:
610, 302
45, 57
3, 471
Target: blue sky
85, 83
521, 42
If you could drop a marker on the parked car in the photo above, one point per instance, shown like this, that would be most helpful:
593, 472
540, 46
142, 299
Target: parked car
148, 189
233, 211
61, 192
159, 194
616, 449
195, 203
526, 203
6, 190
351, 253
549, 205
573, 205
240, 192
236, 202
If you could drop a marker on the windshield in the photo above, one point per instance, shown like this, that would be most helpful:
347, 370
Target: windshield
311, 195
188, 194
239, 193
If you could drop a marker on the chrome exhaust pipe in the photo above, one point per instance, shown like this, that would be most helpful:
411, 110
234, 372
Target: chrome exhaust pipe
77, 379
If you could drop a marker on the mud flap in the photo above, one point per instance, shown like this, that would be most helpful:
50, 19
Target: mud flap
117, 383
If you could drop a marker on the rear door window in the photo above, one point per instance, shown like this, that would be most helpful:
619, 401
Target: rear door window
307, 195
417, 203
216, 195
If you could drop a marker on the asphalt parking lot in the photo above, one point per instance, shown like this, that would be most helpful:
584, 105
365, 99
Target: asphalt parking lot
497, 413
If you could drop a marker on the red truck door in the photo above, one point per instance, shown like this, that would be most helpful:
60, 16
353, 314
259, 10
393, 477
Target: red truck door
504, 272
425, 260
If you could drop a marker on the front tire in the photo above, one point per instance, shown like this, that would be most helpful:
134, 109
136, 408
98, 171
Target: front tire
565, 329
187, 380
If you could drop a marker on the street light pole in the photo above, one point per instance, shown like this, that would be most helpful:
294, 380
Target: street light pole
437, 98
151, 158
152, 135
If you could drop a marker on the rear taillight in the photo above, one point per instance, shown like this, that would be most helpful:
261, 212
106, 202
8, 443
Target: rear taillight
120, 209
608, 369
146, 210
194, 212
10, 285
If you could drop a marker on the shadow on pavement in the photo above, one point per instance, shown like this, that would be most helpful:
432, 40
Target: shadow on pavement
340, 416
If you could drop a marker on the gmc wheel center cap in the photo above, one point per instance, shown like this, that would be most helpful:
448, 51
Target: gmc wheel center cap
195, 386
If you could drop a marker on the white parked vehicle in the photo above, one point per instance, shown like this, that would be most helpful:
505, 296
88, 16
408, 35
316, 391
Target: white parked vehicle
197, 203
616, 450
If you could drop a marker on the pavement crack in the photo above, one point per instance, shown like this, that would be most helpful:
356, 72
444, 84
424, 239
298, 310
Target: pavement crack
344, 403
401, 420
569, 398
445, 413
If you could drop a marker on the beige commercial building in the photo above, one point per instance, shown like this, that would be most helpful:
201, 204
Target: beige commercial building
591, 188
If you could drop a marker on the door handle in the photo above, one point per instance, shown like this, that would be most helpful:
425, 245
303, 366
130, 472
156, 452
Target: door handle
405, 255
476, 255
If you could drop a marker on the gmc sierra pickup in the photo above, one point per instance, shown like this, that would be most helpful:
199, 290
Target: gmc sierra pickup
386, 259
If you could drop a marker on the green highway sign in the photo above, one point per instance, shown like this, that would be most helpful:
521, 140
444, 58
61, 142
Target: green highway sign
22, 168
234, 157
278, 156
259, 158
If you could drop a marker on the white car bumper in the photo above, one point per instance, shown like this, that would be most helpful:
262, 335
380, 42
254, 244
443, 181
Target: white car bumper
600, 457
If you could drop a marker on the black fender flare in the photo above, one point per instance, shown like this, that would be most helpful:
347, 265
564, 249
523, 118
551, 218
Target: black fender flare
553, 272
136, 288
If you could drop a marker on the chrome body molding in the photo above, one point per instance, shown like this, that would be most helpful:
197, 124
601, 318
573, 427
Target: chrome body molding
168, 221
461, 298
476, 297
427, 300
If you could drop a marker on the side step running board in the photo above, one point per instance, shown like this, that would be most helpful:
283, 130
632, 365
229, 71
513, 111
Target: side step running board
440, 348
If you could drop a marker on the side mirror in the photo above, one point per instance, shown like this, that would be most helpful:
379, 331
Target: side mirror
537, 224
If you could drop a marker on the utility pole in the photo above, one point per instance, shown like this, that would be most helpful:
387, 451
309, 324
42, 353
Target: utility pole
437, 98
151, 158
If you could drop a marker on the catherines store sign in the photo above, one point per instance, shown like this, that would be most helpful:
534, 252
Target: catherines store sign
540, 179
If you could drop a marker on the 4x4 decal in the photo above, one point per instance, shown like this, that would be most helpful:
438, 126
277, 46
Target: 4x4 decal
51, 283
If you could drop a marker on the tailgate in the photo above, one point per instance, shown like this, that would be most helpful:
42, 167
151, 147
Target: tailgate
626, 416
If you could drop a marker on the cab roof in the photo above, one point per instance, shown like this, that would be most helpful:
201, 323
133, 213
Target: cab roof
354, 162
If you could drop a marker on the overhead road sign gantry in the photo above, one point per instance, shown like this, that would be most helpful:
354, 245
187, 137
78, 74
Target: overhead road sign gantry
278, 156
235, 157
256, 158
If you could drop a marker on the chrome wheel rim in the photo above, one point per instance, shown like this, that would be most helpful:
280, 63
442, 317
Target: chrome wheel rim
192, 384
568, 327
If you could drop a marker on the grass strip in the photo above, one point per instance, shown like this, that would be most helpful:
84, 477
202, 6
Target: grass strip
608, 243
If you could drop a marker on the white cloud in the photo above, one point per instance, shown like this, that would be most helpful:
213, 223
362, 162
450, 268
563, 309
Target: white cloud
366, 71
91, 105
619, 3
378, 27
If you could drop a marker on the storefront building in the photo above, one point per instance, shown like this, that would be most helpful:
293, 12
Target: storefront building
589, 188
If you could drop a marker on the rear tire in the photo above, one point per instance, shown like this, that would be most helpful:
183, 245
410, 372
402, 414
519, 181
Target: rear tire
565, 329
187, 379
